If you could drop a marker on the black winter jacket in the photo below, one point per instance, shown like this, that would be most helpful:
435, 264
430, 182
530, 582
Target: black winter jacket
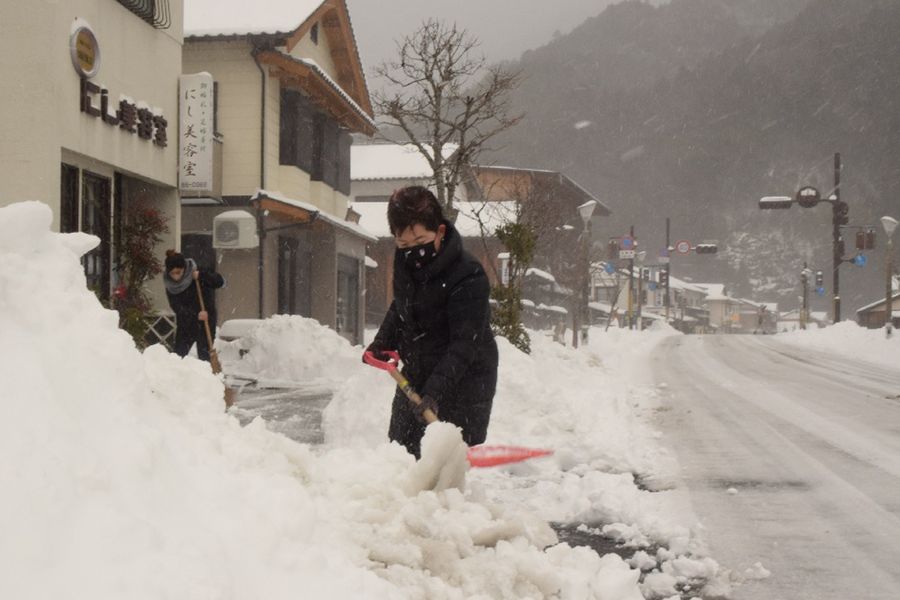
186, 305
439, 322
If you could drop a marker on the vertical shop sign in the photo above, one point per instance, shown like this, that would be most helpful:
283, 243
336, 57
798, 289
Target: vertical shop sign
195, 144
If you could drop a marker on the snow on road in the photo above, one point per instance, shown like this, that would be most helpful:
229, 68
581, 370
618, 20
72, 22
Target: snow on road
790, 457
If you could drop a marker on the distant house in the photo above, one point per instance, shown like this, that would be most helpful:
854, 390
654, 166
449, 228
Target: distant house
872, 315
488, 199
289, 91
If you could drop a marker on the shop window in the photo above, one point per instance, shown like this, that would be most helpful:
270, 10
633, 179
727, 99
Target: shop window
96, 219
68, 199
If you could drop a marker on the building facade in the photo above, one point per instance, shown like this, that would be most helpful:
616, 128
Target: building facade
288, 93
89, 124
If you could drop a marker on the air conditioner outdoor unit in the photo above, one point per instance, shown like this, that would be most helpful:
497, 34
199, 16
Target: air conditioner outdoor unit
234, 230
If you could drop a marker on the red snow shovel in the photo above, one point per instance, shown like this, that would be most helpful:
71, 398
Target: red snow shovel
478, 456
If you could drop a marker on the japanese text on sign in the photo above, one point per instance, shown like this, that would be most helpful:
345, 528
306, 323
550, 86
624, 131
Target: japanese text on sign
195, 144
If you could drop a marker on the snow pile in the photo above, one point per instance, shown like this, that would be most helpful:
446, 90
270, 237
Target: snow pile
123, 478
288, 350
849, 339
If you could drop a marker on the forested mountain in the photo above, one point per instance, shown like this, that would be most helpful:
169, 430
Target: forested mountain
697, 108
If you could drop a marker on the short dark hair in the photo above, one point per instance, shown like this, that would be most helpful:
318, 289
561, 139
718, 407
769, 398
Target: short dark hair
413, 205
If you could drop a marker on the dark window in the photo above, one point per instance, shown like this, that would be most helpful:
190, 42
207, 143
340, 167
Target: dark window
296, 135
372, 199
347, 307
68, 199
314, 34
294, 260
96, 219
312, 141
345, 140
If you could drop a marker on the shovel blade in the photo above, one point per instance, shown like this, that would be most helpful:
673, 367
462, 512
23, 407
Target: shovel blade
491, 456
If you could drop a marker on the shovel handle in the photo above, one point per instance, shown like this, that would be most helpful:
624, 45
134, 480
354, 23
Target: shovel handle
390, 366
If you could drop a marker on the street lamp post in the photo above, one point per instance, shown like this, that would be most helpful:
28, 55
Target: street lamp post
889, 224
804, 307
585, 210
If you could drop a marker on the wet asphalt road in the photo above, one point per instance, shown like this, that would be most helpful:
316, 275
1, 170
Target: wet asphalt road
295, 413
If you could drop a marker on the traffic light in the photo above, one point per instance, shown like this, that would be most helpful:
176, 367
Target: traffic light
870, 239
840, 212
820, 279
808, 197
706, 248
645, 274
860, 240
663, 278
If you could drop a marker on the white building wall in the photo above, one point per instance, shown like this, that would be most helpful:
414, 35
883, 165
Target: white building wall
41, 113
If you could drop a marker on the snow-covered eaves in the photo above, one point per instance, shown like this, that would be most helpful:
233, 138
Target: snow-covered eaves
540, 274
391, 161
600, 306
353, 228
208, 18
334, 85
371, 262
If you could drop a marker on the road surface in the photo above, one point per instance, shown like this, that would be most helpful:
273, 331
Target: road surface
791, 458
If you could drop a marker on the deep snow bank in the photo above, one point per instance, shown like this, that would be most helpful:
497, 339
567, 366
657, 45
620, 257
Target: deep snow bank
849, 339
122, 478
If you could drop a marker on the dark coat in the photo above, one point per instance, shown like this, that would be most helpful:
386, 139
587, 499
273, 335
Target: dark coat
186, 306
439, 322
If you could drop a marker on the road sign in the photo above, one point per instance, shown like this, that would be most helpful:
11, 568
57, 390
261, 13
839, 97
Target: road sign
860, 260
683, 247
663, 260
610, 268
652, 286
627, 243
820, 291
626, 254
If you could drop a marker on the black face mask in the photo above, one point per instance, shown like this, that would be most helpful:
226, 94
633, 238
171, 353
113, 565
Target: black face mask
417, 257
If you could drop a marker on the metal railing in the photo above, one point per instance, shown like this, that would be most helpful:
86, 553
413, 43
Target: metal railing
155, 12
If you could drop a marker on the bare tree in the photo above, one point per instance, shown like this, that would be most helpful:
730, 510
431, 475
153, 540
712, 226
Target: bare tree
443, 96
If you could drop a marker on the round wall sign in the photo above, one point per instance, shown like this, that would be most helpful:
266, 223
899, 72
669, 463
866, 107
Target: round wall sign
85, 50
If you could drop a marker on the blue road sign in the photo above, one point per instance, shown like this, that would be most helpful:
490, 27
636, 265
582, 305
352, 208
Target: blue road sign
652, 286
820, 291
610, 268
627, 243
860, 260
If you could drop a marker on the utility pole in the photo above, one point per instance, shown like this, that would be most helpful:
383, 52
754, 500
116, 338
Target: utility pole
668, 267
804, 307
837, 218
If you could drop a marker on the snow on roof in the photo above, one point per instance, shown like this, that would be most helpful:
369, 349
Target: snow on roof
334, 84
540, 274
371, 262
600, 306
391, 161
877, 303
681, 284
204, 18
354, 228
373, 216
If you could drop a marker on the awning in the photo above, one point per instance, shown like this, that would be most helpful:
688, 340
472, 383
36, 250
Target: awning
304, 212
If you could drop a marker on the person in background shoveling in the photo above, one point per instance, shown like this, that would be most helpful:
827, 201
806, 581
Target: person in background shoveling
181, 291
439, 322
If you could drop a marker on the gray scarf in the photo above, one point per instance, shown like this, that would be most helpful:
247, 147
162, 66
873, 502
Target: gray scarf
176, 287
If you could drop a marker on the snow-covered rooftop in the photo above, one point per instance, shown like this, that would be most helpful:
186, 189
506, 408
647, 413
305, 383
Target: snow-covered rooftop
391, 161
373, 216
209, 18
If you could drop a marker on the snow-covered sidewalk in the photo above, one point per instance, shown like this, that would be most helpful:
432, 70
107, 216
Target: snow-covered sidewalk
123, 478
